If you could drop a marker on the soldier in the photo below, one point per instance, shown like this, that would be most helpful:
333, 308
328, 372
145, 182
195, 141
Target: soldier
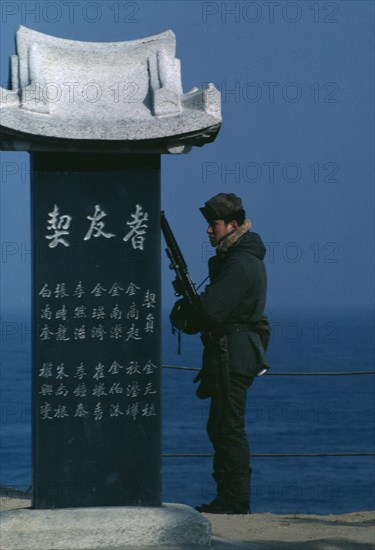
226, 313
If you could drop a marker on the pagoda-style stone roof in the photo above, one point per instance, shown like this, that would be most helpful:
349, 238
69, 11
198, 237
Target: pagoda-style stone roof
68, 95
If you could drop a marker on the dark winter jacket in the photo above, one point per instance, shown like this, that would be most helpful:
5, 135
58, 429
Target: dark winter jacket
234, 300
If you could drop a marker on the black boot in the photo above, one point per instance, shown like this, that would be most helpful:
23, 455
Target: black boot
233, 496
222, 505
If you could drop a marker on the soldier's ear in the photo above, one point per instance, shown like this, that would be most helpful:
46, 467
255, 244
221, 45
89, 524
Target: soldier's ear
233, 224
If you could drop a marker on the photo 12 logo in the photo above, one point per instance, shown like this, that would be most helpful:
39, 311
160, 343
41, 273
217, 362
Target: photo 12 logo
29, 12
270, 11
276, 92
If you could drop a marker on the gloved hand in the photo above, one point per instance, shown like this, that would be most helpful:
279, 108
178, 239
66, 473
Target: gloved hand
184, 317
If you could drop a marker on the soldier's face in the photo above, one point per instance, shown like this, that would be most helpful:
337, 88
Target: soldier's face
217, 229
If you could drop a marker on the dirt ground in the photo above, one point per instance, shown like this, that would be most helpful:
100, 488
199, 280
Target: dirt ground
294, 532
267, 531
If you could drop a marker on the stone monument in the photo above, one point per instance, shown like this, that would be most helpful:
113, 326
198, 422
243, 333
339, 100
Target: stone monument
95, 118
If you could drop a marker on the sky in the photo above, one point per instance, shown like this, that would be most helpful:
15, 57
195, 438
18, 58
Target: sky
296, 143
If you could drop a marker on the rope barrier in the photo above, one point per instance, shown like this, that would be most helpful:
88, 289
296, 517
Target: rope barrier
273, 455
267, 455
284, 373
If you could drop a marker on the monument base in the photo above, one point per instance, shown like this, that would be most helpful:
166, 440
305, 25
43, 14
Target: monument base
171, 526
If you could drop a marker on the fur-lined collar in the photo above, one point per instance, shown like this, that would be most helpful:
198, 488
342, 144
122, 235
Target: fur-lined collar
233, 237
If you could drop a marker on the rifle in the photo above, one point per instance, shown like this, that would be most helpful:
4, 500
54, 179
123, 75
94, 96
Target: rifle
183, 285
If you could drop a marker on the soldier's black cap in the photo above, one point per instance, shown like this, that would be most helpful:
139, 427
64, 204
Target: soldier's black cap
224, 206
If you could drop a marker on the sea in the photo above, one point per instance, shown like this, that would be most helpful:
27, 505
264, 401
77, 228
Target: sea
288, 413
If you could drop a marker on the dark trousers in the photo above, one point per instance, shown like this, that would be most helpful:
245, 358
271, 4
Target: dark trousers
226, 430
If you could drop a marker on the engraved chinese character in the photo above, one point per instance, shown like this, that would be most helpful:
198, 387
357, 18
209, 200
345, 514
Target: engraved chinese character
115, 332
96, 227
60, 372
99, 371
149, 390
79, 292
149, 410
61, 313
115, 388
149, 323
98, 312
98, 411
133, 312
133, 368
46, 313
46, 389
80, 372
115, 290
61, 411
116, 313
59, 225
45, 292
133, 410
149, 367
132, 289
80, 312
46, 411
133, 333
61, 333
133, 389
80, 390
115, 368
150, 300
60, 290
98, 290
46, 333
81, 411
62, 390
138, 228
99, 390
98, 332
115, 410
80, 333
46, 370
